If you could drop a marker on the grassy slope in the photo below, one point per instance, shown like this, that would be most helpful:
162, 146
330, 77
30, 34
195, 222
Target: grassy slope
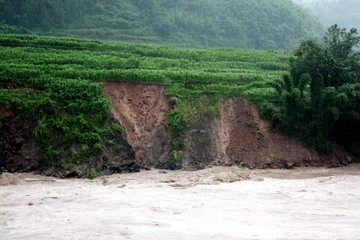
73, 112
34, 59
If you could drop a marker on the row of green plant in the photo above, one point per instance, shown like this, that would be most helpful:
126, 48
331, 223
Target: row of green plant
120, 49
35, 59
66, 76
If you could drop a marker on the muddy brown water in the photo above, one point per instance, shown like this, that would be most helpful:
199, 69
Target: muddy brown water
215, 203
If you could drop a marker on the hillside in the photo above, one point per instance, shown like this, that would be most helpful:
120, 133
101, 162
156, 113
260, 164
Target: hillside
171, 108
345, 13
265, 24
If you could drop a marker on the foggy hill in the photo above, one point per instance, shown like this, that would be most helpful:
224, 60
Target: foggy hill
345, 13
258, 24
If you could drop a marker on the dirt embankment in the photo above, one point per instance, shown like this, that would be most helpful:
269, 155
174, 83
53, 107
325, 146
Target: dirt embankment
142, 111
19, 151
18, 148
237, 137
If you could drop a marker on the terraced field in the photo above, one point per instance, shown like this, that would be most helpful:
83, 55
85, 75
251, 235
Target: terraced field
59, 80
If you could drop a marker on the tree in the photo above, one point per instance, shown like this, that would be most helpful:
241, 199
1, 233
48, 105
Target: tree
260, 24
322, 97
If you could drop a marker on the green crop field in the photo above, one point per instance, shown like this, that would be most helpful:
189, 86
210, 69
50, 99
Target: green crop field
59, 81
34, 61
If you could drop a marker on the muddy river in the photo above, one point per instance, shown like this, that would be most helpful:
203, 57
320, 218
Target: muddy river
216, 203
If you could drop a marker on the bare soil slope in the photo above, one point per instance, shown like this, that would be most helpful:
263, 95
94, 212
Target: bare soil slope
239, 136
142, 110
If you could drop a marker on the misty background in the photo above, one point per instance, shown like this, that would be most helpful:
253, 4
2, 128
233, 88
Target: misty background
256, 24
345, 13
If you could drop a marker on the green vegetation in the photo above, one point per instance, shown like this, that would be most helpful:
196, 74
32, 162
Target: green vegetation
92, 173
320, 100
74, 119
60, 81
256, 24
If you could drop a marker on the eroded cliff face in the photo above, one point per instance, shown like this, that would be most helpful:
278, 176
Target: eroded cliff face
239, 136
19, 151
236, 137
141, 110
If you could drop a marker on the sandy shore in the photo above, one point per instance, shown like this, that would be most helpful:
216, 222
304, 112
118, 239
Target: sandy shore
216, 203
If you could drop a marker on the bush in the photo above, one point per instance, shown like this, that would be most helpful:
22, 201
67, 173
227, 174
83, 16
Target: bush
314, 101
92, 173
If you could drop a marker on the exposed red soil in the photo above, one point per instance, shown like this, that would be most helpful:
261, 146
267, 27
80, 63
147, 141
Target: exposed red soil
237, 137
240, 136
142, 111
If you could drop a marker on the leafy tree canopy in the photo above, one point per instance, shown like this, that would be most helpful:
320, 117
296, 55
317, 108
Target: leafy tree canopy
321, 97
